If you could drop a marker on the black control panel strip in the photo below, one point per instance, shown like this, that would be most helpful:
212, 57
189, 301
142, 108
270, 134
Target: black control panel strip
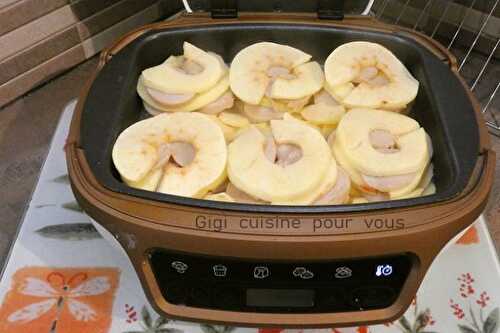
280, 287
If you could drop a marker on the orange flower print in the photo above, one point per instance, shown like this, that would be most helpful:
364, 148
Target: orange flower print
66, 300
469, 237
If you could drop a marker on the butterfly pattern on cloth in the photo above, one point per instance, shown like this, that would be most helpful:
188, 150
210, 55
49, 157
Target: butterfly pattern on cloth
64, 295
59, 300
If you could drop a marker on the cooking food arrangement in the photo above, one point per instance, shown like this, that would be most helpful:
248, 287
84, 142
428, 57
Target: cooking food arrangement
277, 127
266, 169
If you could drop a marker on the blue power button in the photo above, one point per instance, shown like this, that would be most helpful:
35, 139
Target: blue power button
384, 270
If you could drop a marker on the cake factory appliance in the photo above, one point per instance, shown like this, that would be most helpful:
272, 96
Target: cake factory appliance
287, 266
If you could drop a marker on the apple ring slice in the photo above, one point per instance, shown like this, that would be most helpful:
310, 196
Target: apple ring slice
316, 195
339, 193
195, 72
382, 143
429, 190
251, 170
323, 114
197, 102
147, 183
281, 71
223, 196
180, 153
422, 182
400, 185
394, 186
342, 159
367, 75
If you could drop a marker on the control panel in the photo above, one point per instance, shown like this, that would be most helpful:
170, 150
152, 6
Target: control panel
280, 287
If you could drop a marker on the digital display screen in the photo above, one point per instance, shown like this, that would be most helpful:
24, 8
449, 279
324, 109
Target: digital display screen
299, 298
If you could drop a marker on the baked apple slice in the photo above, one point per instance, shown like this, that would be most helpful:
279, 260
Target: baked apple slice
280, 71
368, 75
254, 173
180, 153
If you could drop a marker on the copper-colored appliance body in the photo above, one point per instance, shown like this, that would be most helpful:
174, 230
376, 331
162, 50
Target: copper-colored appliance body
319, 233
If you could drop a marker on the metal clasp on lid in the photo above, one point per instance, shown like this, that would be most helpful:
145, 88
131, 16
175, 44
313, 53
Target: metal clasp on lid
331, 9
224, 8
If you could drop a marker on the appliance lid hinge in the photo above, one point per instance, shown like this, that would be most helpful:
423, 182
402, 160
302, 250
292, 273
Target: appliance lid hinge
224, 8
331, 9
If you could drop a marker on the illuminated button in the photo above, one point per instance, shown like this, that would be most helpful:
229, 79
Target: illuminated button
219, 270
302, 273
383, 270
343, 272
261, 272
179, 267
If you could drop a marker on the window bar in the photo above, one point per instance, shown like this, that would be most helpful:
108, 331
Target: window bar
485, 65
492, 125
461, 23
384, 5
429, 2
478, 34
441, 18
490, 99
495, 125
402, 12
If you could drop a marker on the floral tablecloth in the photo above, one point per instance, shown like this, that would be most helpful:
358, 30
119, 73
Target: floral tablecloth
63, 277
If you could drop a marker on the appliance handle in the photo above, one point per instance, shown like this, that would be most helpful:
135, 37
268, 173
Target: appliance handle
326, 9
187, 7
367, 8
